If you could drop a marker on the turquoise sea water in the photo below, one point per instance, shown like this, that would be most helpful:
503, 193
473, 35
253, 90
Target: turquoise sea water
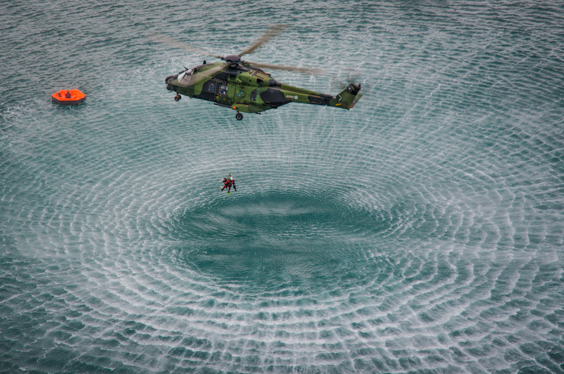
421, 232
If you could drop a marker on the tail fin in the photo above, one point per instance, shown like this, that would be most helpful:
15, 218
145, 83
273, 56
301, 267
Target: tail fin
348, 98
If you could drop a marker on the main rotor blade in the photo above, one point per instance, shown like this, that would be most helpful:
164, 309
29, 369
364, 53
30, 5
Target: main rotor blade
198, 77
287, 68
274, 31
160, 38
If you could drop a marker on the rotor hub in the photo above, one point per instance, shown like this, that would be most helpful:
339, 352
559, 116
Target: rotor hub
232, 59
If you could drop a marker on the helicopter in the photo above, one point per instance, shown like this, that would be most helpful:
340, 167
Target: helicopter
244, 86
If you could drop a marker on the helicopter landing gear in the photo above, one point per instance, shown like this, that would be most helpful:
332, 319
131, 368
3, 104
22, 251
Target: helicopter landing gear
177, 97
239, 116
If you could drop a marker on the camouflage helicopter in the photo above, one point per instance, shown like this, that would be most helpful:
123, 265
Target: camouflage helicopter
244, 86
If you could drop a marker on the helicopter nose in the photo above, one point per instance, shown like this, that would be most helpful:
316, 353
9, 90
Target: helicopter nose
170, 82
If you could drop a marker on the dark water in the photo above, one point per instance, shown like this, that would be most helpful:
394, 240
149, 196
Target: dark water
423, 231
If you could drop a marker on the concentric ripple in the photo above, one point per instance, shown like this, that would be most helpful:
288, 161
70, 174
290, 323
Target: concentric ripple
277, 240
420, 232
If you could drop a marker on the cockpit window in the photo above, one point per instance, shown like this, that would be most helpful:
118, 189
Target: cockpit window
187, 71
184, 77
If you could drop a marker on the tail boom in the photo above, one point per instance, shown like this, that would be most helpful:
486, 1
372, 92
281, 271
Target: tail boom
346, 99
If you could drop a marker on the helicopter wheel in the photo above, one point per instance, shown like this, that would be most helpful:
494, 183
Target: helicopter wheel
239, 116
177, 97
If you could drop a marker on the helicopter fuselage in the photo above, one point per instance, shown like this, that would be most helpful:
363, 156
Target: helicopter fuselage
250, 90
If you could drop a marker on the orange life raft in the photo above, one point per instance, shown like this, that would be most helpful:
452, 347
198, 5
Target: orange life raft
68, 97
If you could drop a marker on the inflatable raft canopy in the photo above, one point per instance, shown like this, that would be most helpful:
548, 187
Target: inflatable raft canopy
68, 97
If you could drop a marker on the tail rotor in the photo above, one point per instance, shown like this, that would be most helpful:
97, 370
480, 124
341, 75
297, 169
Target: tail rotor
348, 76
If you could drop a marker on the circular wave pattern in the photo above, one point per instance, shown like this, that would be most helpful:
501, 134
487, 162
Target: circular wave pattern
420, 232
277, 240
